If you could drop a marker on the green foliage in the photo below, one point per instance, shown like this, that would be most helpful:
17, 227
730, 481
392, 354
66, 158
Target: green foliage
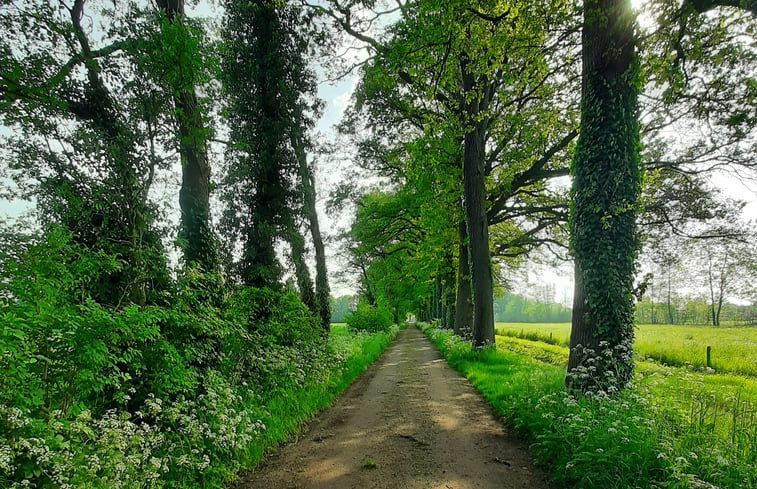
180, 395
340, 307
694, 312
670, 431
513, 308
64, 348
369, 318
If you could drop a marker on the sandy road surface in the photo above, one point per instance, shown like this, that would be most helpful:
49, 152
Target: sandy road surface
409, 422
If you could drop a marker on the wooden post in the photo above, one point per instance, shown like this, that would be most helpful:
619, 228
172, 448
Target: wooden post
709, 351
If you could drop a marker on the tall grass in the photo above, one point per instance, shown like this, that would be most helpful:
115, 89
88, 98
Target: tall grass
733, 349
671, 430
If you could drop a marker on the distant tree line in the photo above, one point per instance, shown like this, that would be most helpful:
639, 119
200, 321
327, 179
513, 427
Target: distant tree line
512, 308
340, 306
695, 311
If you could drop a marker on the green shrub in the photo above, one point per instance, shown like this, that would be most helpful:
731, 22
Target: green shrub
369, 318
62, 349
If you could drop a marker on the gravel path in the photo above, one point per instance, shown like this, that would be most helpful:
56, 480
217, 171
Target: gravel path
409, 422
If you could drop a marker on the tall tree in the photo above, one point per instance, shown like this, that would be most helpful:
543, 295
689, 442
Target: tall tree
256, 190
196, 236
267, 80
479, 82
307, 184
606, 188
87, 121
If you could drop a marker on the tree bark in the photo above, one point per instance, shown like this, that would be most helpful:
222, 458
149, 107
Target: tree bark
322, 290
711, 280
669, 303
448, 290
464, 303
605, 193
196, 236
474, 168
437, 304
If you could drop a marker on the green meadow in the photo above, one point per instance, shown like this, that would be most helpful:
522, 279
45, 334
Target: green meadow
733, 349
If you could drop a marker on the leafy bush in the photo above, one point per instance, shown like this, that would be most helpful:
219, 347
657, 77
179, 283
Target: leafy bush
60, 348
369, 318
172, 395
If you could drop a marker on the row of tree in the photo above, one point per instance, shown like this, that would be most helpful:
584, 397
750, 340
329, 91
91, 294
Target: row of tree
695, 312
102, 100
472, 114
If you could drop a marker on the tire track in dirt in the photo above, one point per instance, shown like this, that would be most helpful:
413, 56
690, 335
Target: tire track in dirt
410, 421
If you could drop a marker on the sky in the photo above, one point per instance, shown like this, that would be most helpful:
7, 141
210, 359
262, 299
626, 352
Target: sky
337, 97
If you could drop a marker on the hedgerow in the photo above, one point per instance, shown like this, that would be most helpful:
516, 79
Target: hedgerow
179, 394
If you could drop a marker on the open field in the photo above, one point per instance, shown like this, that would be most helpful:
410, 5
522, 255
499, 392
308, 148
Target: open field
734, 349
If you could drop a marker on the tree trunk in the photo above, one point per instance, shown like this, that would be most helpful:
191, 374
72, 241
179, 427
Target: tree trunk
474, 159
438, 297
368, 292
322, 290
606, 188
670, 306
464, 303
304, 282
448, 288
196, 236
712, 287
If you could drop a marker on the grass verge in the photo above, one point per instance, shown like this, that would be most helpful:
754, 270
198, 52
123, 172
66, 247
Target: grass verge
655, 435
286, 413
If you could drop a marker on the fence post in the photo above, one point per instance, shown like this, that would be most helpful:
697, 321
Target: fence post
709, 351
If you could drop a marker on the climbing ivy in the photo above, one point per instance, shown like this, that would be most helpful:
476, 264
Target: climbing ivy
607, 175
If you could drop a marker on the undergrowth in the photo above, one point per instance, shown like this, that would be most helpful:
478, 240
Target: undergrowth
182, 393
654, 435
179, 443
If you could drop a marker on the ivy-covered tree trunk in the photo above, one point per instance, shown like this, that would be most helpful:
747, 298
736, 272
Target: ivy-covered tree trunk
606, 186
474, 169
464, 302
301, 272
196, 235
322, 289
266, 77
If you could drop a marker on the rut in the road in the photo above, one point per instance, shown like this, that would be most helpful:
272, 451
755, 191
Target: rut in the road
409, 422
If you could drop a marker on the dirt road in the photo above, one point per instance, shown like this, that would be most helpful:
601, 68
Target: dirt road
409, 422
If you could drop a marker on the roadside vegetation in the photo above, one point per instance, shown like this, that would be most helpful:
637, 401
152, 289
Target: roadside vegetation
183, 395
673, 429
